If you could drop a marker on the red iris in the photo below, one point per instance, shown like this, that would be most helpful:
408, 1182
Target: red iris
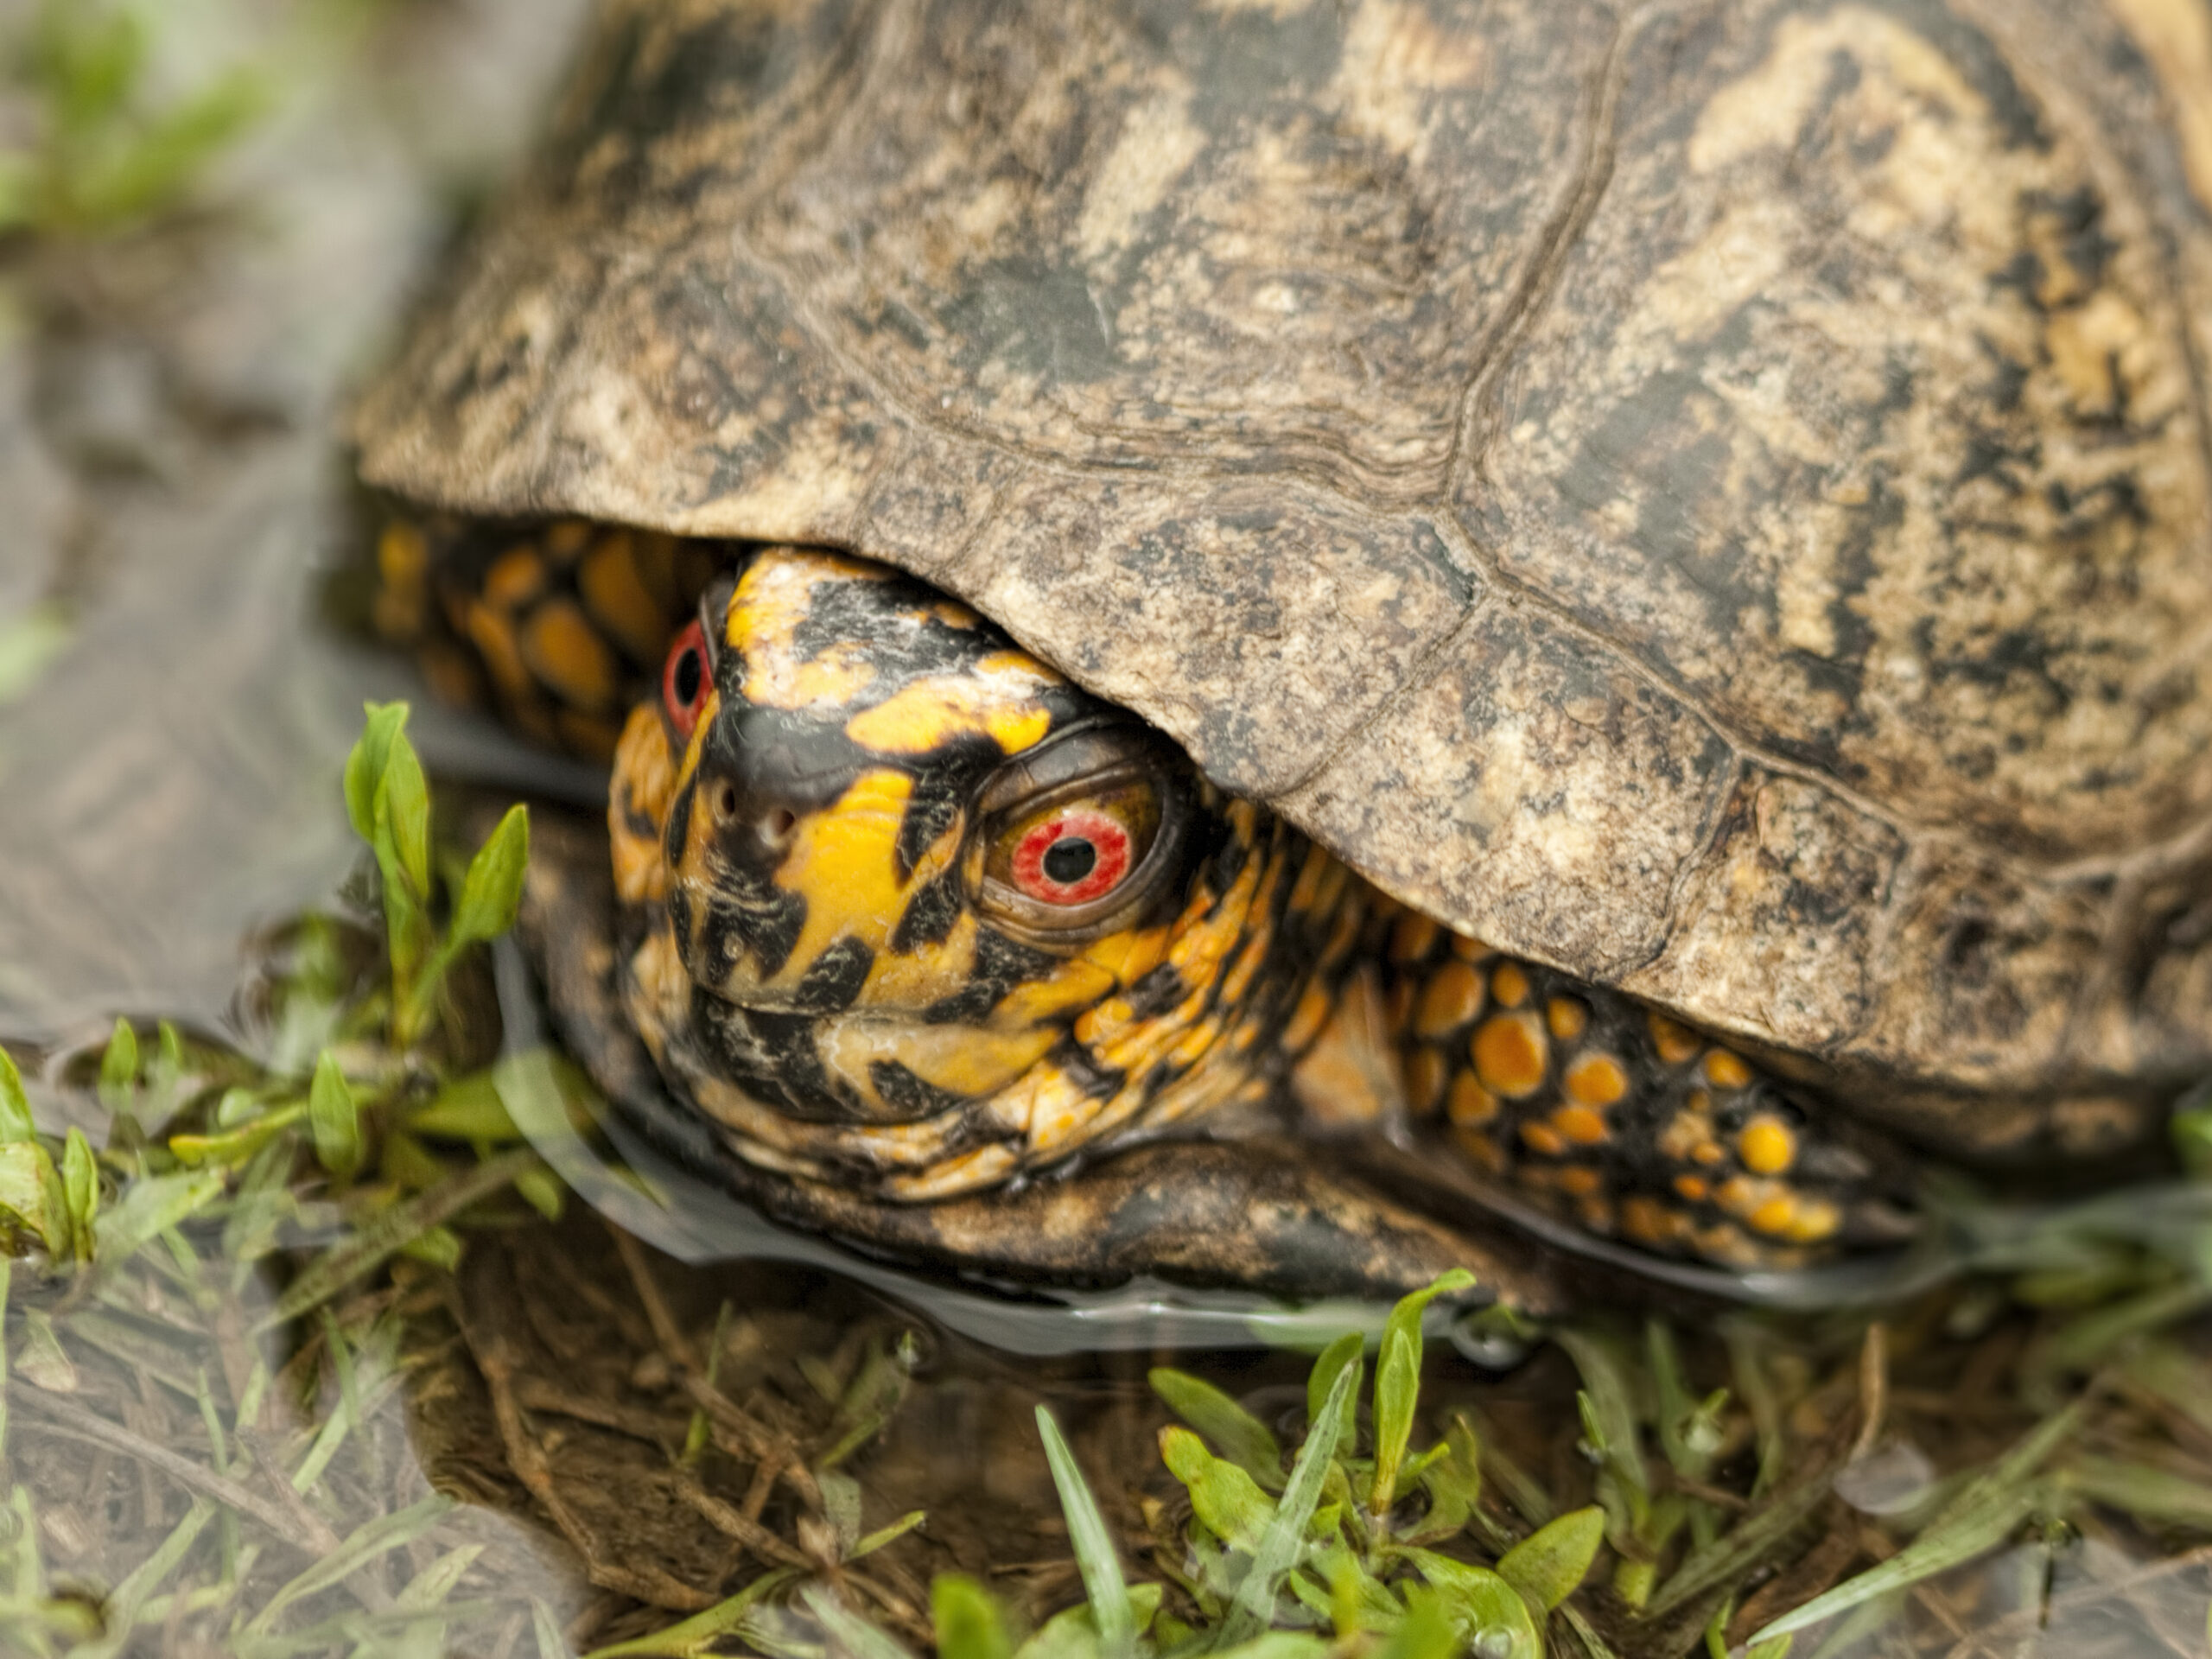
684, 681
1071, 857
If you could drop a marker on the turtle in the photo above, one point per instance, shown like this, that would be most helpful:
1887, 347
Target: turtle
1282, 642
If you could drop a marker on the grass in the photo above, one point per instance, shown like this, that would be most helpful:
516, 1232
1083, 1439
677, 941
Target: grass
111, 152
220, 1266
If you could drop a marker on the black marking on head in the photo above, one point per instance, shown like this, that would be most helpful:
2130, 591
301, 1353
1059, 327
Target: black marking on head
1157, 992
1082, 1068
679, 912
771, 1057
930, 914
1000, 965
908, 1096
678, 833
835, 977
896, 616
767, 918
931, 810
1228, 864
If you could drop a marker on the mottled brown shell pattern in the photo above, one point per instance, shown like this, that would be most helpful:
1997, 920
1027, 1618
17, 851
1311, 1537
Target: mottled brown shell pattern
1712, 497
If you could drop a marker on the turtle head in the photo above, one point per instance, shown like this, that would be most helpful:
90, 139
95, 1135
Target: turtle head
901, 875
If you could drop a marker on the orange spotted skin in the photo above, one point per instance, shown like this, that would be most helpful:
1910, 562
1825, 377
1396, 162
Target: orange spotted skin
1617, 1119
845, 943
559, 627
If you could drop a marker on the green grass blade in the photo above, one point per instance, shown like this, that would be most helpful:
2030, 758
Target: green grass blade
1547, 1565
363, 1545
1093, 1543
1253, 1608
1236, 1433
859, 1637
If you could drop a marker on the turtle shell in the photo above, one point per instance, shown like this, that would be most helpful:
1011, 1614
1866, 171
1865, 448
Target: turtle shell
1712, 497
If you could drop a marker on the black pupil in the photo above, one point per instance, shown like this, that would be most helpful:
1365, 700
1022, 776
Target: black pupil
1070, 859
687, 676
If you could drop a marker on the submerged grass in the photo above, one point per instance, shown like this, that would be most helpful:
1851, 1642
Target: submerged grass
219, 1254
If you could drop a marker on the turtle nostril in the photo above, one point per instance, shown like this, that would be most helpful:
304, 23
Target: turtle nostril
776, 828
723, 801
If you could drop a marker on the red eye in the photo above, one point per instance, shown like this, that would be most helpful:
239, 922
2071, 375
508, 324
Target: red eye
684, 683
1071, 857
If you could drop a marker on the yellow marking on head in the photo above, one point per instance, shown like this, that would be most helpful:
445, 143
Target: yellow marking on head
1567, 1016
1412, 935
1726, 1070
1596, 1080
1057, 1118
1696, 1188
1312, 871
984, 1166
1108, 1018
970, 1061
771, 599
1541, 1137
1581, 1126
515, 578
565, 651
1074, 983
1508, 1051
1766, 1146
644, 782
845, 860
1469, 1104
1239, 978
1195, 1042
1130, 955
1510, 985
922, 974
997, 700
617, 597
1452, 996
1675, 1043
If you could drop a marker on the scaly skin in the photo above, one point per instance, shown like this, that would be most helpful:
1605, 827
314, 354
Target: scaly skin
818, 829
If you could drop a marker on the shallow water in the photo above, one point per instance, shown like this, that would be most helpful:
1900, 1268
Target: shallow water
173, 719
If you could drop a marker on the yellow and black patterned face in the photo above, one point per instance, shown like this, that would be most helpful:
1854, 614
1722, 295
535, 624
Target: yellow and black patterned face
898, 882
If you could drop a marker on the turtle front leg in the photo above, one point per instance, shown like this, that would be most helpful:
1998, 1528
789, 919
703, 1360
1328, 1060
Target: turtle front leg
1613, 1117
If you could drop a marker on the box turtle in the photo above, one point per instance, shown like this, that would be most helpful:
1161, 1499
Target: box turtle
1262, 631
